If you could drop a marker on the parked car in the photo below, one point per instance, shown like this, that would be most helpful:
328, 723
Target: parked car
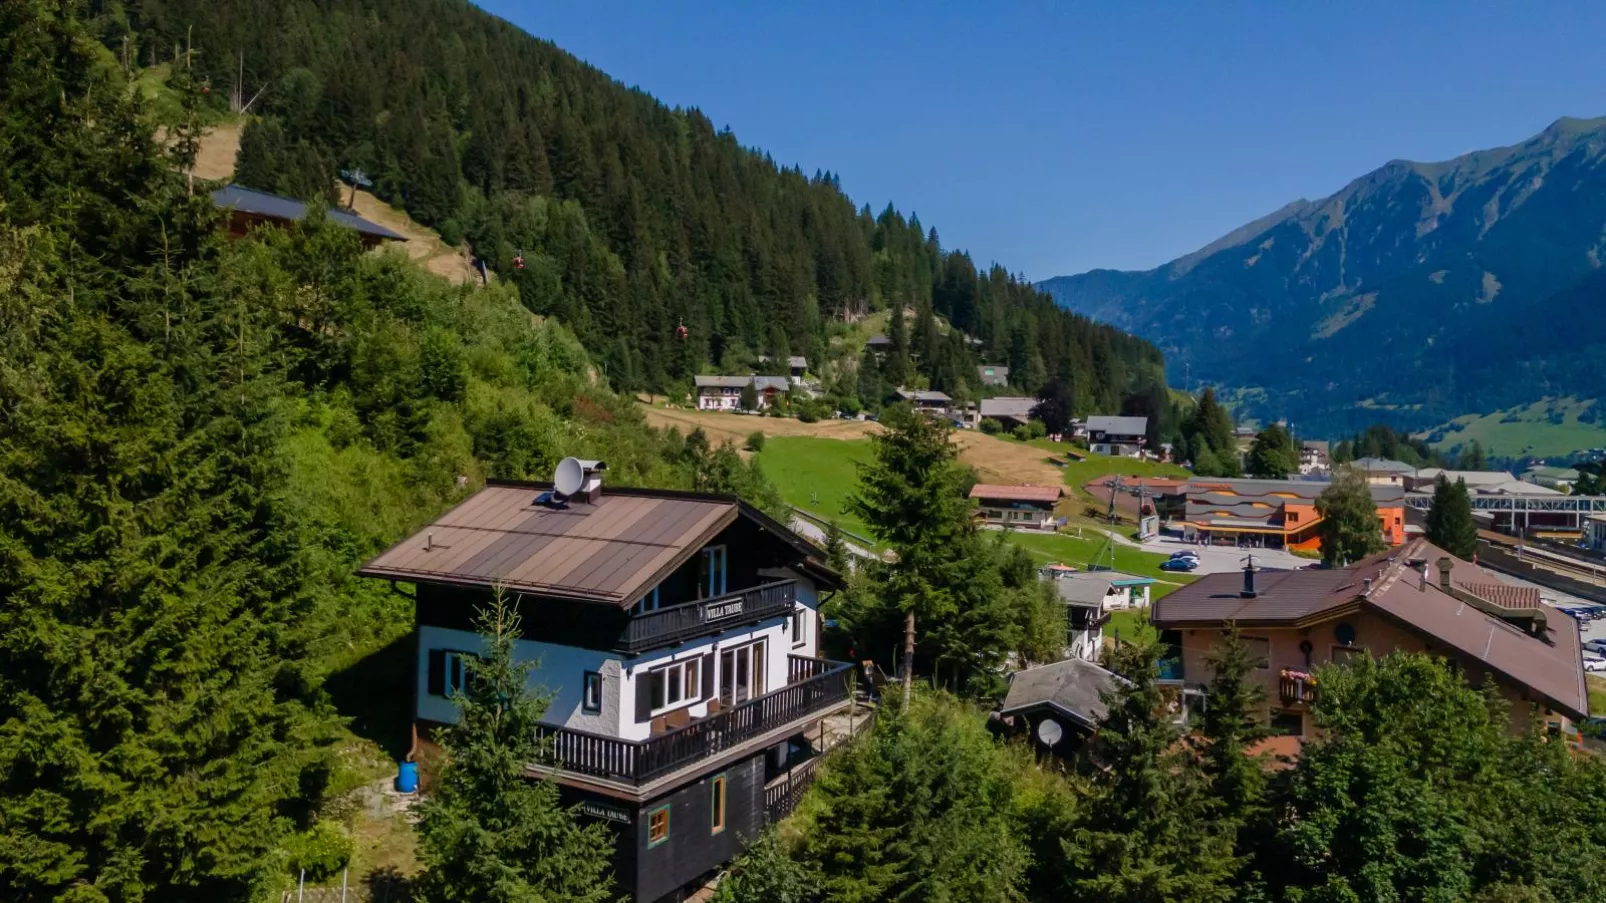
1188, 553
1596, 646
1179, 564
1594, 664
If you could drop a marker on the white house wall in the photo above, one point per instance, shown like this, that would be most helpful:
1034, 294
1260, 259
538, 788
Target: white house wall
561, 670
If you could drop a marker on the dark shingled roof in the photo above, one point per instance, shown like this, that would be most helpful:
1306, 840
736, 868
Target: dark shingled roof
272, 206
1409, 594
1071, 687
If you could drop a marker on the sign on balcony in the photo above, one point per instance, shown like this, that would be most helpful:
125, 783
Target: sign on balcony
723, 608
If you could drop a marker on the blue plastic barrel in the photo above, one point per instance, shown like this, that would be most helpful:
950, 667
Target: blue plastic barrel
407, 777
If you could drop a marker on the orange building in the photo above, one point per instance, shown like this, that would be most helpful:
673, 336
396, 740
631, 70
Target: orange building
1276, 514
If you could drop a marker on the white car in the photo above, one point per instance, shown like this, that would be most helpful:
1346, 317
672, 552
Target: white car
1595, 664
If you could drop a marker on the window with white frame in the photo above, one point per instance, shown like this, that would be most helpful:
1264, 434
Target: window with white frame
675, 685
800, 620
713, 574
591, 698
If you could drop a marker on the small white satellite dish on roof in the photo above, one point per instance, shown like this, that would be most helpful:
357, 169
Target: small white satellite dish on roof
569, 477
1049, 732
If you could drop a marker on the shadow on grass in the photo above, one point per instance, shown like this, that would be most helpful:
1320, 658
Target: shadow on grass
376, 693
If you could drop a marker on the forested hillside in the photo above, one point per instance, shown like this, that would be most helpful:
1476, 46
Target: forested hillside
631, 218
200, 439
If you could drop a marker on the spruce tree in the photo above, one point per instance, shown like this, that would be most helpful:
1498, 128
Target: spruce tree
489, 831
1273, 455
1450, 525
1350, 529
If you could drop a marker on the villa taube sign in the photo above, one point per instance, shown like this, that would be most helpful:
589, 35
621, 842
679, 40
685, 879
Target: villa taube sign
601, 810
722, 608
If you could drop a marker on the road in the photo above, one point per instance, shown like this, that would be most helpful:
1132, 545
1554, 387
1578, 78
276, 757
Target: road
812, 532
1224, 559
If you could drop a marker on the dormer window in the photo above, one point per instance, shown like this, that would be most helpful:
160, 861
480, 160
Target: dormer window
712, 575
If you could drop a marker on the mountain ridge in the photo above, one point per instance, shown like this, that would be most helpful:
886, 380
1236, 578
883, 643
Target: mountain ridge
1423, 269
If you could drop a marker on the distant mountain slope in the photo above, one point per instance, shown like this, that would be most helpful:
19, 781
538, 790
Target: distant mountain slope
1427, 290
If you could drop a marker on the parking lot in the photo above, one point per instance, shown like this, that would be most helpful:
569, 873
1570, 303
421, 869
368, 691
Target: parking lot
1222, 559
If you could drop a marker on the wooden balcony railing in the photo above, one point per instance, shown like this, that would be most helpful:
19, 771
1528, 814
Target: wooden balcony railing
821, 687
1295, 689
668, 626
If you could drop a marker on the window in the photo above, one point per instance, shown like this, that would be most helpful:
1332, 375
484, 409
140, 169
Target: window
716, 803
799, 626
657, 826
712, 575
676, 685
1286, 724
648, 602
455, 673
591, 701
741, 673
1259, 650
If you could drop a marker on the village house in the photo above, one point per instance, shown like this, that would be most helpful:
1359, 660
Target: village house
1277, 514
927, 401
1058, 705
1418, 598
1313, 456
993, 375
1016, 507
677, 635
1009, 410
797, 367
1383, 471
249, 208
1117, 436
724, 393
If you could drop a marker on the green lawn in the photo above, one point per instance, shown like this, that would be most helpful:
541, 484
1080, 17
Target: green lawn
1131, 625
1544, 428
817, 475
1080, 551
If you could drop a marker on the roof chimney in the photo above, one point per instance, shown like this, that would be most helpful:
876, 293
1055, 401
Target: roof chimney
1248, 591
1444, 573
1367, 583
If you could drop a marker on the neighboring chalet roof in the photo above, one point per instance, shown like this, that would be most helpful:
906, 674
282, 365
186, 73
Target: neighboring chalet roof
878, 341
1315, 445
1073, 688
1118, 426
1118, 578
611, 551
1287, 490
778, 383
1383, 465
1048, 494
1551, 666
272, 206
721, 382
996, 371
798, 360
1472, 478
1084, 589
923, 395
1543, 472
1016, 406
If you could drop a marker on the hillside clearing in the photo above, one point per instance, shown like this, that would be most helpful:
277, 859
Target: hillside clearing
1546, 428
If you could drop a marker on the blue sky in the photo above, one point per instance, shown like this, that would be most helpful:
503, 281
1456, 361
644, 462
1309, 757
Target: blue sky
1059, 138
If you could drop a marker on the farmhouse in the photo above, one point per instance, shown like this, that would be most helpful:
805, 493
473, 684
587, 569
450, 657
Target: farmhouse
677, 634
1009, 410
1016, 507
724, 393
927, 401
1418, 598
1118, 436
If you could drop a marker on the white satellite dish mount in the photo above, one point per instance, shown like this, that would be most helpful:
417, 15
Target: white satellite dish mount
576, 479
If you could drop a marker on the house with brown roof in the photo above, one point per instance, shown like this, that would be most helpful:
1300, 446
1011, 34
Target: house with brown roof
1016, 507
677, 635
1417, 599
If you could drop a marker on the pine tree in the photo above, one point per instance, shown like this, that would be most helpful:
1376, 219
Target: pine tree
1232, 722
1350, 529
1472, 457
1450, 524
836, 549
489, 831
1273, 455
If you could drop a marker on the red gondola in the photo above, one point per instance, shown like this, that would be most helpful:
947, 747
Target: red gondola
680, 331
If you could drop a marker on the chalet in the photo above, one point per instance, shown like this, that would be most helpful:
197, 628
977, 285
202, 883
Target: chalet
797, 367
1009, 410
1383, 471
1059, 705
1277, 514
927, 401
1313, 456
724, 393
677, 634
1016, 507
1118, 436
880, 344
249, 208
992, 375
1418, 598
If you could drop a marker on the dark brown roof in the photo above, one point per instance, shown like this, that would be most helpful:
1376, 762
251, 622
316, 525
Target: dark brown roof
612, 551
1016, 493
1551, 667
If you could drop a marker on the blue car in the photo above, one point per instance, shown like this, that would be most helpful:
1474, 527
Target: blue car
1179, 564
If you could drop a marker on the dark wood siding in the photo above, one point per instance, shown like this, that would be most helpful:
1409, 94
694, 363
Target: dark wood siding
693, 848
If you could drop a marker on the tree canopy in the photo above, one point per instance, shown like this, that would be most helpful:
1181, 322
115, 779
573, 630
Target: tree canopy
1449, 523
1274, 454
1350, 529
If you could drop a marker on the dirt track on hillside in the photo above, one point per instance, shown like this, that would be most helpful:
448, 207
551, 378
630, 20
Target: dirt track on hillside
996, 460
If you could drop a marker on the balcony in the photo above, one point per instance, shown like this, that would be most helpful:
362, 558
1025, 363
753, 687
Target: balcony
678, 623
1296, 688
814, 687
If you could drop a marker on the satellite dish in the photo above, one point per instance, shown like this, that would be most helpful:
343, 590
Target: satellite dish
1049, 732
569, 477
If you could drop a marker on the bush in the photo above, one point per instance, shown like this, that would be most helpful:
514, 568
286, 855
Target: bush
1036, 429
991, 426
452, 232
323, 850
755, 441
1021, 433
